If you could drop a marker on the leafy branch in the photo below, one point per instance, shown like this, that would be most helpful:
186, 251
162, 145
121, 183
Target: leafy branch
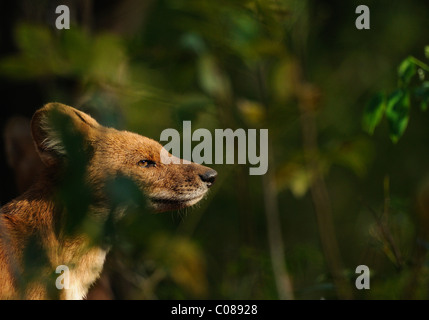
396, 105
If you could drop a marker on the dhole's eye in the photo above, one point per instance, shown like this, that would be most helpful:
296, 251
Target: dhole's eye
146, 163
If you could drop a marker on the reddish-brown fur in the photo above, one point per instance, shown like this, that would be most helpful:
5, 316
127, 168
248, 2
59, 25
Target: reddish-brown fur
35, 220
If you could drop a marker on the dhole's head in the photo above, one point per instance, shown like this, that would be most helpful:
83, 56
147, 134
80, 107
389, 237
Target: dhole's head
111, 153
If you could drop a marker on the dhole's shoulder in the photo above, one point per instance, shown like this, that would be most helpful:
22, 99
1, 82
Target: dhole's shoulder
27, 211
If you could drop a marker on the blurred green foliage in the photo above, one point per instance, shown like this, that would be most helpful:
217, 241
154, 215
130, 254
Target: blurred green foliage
252, 64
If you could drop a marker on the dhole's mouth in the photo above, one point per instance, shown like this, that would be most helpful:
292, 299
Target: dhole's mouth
184, 194
163, 204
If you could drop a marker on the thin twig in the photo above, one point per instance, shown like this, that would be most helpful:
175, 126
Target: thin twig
278, 260
387, 236
281, 276
320, 195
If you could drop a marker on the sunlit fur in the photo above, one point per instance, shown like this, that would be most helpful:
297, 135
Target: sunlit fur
36, 217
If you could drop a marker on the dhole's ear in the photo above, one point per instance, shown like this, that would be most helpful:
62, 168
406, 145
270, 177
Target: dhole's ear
47, 127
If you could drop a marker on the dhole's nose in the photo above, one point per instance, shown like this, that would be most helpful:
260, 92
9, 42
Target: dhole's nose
209, 177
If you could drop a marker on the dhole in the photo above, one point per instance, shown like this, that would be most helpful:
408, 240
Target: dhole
35, 220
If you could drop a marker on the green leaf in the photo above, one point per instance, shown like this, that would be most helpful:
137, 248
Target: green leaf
34, 41
190, 106
213, 80
422, 93
356, 155
193, 41
397, 113
109, 58
374, 112
75, 47
37, 56
407, 69
427, 52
